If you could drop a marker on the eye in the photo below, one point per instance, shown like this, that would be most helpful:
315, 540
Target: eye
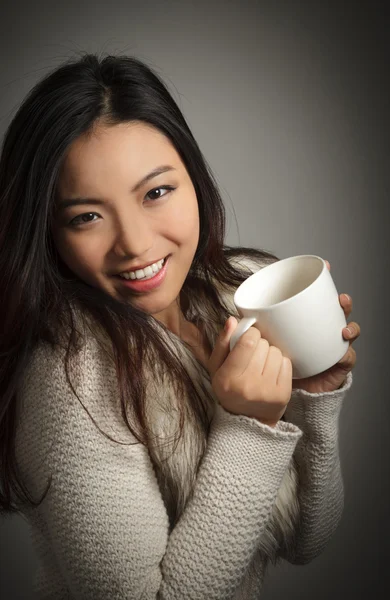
169, 188
77, 221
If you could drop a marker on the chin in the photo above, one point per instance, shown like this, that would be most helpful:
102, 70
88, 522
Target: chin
152, 306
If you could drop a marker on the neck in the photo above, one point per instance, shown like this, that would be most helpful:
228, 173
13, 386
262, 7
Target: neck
172, 317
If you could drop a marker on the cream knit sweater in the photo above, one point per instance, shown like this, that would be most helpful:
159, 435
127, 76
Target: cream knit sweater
102, 532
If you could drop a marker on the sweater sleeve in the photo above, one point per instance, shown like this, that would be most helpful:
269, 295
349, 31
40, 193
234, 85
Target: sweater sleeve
104, 515
320, 488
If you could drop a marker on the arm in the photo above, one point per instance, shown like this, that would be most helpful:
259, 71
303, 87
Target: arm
320, 491
320, 486
104, 514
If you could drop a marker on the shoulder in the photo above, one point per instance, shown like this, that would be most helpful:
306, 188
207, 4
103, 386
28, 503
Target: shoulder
45, 373
60, 416
53, 399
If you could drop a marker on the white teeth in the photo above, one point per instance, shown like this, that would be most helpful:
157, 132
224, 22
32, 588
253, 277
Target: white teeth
145, 273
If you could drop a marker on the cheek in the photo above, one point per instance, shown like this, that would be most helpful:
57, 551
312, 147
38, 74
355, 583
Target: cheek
184, 221
82, 258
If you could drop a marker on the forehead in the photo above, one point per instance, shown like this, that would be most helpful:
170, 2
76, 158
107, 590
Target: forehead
135, 147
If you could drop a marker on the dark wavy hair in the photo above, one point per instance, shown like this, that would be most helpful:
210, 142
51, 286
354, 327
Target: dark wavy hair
38, 289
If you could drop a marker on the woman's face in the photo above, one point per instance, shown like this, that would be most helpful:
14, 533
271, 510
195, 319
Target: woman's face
124, 223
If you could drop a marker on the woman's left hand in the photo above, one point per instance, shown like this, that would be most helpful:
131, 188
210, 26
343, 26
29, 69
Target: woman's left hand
333, 378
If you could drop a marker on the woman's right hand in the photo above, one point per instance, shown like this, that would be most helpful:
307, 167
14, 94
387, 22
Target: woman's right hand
254, 379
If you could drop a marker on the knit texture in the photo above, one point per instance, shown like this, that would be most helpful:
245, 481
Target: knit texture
102, 530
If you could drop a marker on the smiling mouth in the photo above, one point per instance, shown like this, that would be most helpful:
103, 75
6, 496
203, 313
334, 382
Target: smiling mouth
143, 274
149, 282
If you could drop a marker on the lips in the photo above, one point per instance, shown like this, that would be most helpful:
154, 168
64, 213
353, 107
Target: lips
139, 268
147, 272
146, 285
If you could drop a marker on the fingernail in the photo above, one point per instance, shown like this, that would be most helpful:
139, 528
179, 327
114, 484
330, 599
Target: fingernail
350, 331
347, 297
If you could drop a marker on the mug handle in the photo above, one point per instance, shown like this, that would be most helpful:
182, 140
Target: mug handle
241, 328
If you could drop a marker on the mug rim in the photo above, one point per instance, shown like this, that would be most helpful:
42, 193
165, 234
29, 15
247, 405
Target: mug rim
277, 304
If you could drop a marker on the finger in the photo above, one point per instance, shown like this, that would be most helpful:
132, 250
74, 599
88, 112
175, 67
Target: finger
221, 348
352, 331
348, 361
240, 357
285, 373
272, 364
346, 303
327, 263
269, 361
258, 360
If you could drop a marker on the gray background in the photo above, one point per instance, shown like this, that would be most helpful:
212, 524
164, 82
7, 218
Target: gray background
289, 104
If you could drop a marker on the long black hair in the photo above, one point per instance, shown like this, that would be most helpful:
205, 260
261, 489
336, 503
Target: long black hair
39, 290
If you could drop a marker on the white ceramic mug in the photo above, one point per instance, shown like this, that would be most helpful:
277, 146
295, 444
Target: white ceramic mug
295, 305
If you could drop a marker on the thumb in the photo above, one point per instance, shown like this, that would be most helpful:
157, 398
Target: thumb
222, 346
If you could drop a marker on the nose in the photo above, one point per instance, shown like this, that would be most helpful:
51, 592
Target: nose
134, 235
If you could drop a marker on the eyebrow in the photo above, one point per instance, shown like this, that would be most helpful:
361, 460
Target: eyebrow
67, 202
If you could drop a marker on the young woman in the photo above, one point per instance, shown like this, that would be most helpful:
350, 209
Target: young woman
148, 460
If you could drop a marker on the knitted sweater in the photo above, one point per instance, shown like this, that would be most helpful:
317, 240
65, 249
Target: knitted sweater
103, 529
